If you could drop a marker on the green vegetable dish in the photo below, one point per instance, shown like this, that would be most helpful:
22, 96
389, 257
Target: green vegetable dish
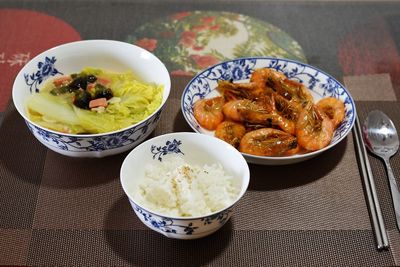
93, 101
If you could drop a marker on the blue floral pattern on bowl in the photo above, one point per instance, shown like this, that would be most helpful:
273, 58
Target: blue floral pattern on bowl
320, 83
125, 138
177, 227
169, 148
45, 70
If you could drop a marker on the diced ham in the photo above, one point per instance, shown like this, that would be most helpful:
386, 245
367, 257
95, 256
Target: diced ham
99, 102
103, 81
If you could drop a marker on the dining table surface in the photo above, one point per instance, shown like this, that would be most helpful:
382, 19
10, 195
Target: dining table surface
62, 211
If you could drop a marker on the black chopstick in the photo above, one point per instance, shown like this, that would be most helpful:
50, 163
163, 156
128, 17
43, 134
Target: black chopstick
370, 189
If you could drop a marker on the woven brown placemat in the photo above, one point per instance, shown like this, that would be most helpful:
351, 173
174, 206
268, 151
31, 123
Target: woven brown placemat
224, 248
71, 212
22, 159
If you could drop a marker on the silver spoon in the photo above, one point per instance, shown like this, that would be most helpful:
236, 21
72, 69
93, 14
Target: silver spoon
381, 138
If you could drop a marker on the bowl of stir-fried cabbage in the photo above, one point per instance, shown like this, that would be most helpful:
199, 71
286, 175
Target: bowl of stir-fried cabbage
92, 98
274, 111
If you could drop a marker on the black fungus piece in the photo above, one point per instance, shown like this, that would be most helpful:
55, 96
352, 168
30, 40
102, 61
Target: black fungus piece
78, 82
82, 99
102, 91
91, 78
60, 90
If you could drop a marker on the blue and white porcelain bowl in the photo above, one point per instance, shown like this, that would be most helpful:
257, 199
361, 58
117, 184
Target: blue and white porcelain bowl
73, 57
320, 84
196, 149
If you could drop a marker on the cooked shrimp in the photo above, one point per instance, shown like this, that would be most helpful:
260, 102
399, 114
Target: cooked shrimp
299, 92
293, 151
231, 109
287, 109
257, 113
334, 108
289, 89
292, 91
265, 112
314, 129
234, 91
231, 132
270, 115
245, 110
289, 126
267, 142
266, 76
208, 112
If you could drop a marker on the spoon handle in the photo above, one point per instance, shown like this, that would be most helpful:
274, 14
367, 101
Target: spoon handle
394, 191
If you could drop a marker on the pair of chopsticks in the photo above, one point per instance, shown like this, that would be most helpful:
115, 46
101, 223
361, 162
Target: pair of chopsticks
372, 198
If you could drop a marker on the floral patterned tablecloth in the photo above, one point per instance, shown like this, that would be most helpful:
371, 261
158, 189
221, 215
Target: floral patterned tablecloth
188, 42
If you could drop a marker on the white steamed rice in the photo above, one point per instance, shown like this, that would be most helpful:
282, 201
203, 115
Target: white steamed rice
175, 188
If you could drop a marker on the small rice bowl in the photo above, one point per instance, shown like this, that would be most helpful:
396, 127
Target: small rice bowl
175, 188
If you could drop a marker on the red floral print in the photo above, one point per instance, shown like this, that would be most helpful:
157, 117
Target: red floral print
181, 73
198, 28
215, 27
197, 48
208, 20
181, 15
188, 38
204, 61
147, 43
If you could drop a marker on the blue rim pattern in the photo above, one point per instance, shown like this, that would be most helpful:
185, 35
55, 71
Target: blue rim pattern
95, 143
180, 226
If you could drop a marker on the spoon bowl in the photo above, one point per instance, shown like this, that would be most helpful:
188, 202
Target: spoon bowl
381, 138
380, 134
